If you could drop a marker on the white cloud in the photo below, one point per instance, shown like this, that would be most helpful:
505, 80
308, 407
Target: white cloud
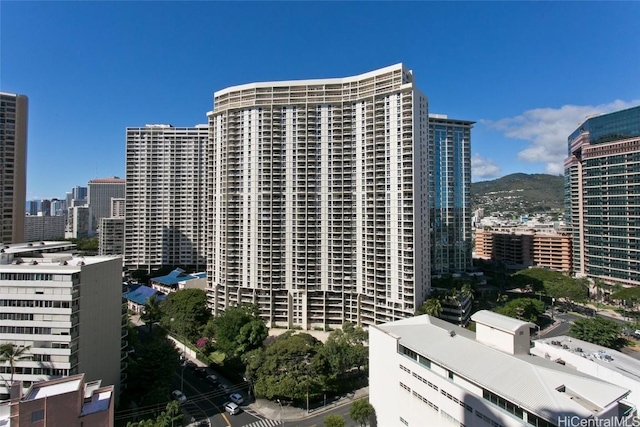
547, 130
482, 167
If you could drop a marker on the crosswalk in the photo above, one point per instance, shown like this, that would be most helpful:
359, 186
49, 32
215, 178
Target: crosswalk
263, 423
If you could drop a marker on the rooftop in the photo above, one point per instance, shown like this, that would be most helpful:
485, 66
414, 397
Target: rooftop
140, 294
53, 388
176, 276
534, 383
499, 321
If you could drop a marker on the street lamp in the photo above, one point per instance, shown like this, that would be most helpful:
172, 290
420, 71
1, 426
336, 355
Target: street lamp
281, 420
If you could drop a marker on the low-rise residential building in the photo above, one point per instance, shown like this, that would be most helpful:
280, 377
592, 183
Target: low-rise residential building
138, 295
68, 402
65, 309
178, 279
425, 371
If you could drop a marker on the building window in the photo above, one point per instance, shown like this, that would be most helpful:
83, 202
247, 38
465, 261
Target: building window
37, 415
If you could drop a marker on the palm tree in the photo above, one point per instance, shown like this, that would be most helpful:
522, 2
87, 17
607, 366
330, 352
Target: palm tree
151, 312
432, 307
467, 291
12, 353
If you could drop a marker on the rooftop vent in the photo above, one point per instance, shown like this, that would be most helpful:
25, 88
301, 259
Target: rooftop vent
34, 262
452, 333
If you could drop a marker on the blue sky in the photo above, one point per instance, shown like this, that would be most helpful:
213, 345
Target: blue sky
527, 72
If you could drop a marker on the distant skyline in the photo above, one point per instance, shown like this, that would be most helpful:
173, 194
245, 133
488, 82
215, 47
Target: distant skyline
527, 72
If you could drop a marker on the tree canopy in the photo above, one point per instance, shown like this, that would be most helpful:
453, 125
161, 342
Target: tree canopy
185, 312
527, 309
238, 330
597, 330
361, 411
333, 420
554, 284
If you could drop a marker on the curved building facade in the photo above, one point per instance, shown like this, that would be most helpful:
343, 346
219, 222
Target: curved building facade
318, 199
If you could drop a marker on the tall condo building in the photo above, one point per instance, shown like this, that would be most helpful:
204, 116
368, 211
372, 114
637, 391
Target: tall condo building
449, 192
318, 199
99, 195
165, 187
602, 196
13, 162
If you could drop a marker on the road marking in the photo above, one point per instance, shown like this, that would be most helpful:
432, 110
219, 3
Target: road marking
264, 423
225, 418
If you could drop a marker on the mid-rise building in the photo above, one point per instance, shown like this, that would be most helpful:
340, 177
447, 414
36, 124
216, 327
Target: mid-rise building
38, 228
525, 248
319, 199
449, 193
78, 222
111, 239
13, 166
602, 196
69, 402
58, 207
66, 310
45, 207
424, 371
165, 197
99, 195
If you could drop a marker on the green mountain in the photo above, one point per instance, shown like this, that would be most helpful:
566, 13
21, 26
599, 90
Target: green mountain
519, 193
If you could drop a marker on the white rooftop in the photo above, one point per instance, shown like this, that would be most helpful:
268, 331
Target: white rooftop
40, 392
499, 321
531, 382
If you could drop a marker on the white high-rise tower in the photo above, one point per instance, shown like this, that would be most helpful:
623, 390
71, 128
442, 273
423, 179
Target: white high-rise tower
318, 199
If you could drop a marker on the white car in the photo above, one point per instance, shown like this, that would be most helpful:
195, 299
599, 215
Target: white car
179, 396
236, 398
212, 379
231, 408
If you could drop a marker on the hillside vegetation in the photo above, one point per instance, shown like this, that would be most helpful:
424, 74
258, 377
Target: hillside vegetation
519, 193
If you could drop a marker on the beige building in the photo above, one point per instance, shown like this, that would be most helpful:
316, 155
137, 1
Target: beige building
64, 402
13, 162
67, 310
525, 249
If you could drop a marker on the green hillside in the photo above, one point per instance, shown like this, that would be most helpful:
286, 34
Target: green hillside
520, 193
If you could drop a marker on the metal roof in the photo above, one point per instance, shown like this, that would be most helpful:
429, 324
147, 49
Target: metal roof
499, 321
531, 382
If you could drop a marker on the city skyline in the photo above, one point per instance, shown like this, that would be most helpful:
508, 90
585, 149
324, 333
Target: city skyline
527, 73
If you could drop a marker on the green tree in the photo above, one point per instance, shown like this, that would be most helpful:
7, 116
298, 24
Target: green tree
185, 312
151, 312
527, 309
467, 291
149, 373
597, 330
552, 283
361, 412
432, 307
334, 420
12, 353
172, 416
238, 330
292, 366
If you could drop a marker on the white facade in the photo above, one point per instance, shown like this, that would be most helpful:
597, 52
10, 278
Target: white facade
164, 223
319, 199
424, 371
66, 309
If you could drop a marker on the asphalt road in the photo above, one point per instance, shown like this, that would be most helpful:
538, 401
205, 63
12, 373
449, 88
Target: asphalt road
317, 420
206, 401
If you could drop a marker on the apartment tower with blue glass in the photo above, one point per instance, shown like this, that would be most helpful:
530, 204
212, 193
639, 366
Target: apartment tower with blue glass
602, 196
449, 190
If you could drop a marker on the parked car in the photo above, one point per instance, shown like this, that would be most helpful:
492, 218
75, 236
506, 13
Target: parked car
179, 396
224, 388
236, 398
190, 365
231, 408
212, 379
201, 372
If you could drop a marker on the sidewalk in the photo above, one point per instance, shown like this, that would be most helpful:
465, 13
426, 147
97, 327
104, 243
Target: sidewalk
274, 411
